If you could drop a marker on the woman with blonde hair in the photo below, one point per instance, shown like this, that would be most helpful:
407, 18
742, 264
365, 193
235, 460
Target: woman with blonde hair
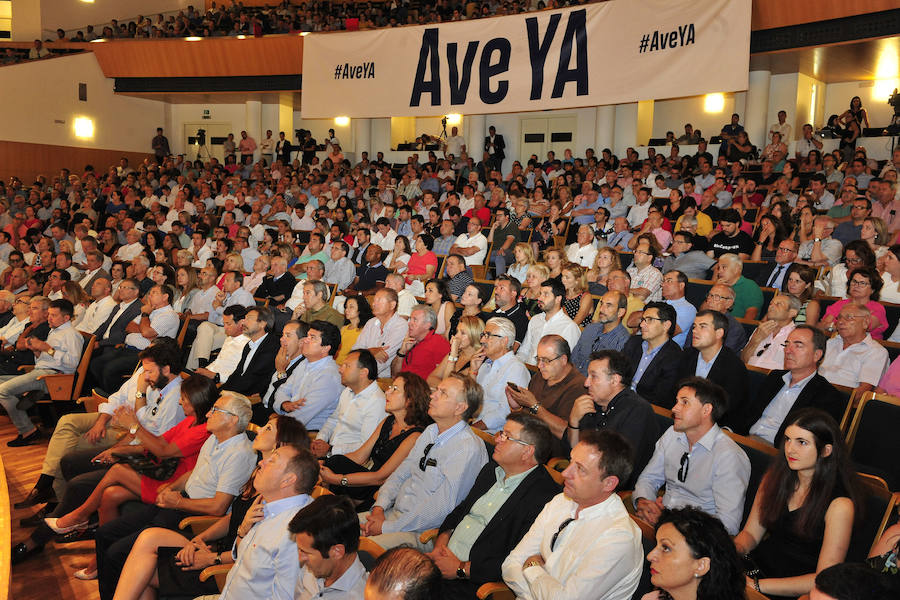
233, 262
555, 258
464, 344
537, 273
875, 233
606, 262
577, 302
183, 258
524, 259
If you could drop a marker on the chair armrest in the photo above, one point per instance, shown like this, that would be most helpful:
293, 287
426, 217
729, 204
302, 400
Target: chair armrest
369, 547
198, 524
496, 590
429, 535
59, 385
26, 368
220, 572
91, 403
254, 399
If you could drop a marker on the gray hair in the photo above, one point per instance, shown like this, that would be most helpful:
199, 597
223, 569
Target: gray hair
238, 404
505, 328
733, 259
794, 302
429, 313
688, 220
142, 259
319, 288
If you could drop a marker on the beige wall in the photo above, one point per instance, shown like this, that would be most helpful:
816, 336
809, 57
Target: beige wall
40, 103
671, 115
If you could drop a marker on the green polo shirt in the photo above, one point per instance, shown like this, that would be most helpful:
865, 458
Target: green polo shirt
746, 295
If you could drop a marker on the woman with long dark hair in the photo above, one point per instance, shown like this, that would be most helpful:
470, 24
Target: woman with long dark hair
406, 403
803, 513
694, 558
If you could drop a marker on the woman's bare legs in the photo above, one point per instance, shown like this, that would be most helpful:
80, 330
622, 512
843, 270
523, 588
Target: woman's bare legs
139, 578
117, 475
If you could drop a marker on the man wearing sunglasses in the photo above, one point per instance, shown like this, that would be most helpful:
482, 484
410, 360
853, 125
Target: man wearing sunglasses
697, 462
509, 493
436, 475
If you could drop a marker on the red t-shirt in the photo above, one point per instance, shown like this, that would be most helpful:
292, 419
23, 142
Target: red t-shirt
484, 214
417, 265
426, 355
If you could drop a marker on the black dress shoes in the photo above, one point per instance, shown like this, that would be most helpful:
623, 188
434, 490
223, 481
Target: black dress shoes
20, 552
36, 496
28, 440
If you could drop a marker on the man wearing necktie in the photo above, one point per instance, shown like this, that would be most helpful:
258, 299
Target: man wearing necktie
774, 277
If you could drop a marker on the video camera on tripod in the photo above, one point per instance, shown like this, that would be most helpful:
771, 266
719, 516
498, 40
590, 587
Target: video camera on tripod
201, 137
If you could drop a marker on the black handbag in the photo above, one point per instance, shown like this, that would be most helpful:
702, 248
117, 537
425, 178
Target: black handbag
148, 465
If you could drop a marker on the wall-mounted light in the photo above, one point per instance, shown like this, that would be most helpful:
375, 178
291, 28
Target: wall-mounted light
714, 103
454, 119
193, 38
88, 1
84, 128
342, 121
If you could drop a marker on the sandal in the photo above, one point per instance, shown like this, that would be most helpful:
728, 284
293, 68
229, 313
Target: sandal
51, 522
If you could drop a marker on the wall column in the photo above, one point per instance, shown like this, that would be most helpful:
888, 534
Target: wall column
626, 131
362, 132
252, 122
757, 108
475, 131
605, 128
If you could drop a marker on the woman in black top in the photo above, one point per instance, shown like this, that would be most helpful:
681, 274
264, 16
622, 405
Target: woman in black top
407, 407
177, 561
802, 517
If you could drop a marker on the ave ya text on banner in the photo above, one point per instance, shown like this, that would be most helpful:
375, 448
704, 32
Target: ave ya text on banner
607, 53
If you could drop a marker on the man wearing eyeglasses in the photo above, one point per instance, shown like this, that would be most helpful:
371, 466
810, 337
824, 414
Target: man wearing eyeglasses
583, 545
696, 461
765, 348
721, 298
509, 493
654, 354
774, 275
494, 367
852, 357
436, 475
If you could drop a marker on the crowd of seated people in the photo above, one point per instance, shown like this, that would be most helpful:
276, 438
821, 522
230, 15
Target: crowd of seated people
220, 304
296, 17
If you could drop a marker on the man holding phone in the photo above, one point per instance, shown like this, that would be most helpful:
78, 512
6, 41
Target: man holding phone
495, 367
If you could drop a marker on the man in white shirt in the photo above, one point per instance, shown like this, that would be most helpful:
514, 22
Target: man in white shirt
210, 333
852, 357
360, 408
472, 244
100, 309
134, 247
765, 347
553, 319
781, 127
233, 346
383, 235
384, 333
456, 144
583, 545
582, 251
406, 300
200, 250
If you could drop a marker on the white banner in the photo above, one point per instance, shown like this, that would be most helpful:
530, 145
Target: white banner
607, 53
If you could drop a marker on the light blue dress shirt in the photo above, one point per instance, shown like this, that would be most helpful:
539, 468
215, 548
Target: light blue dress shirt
773, 416
646, 358
66, 343
716, 480
684, 316
415, 500
319, 383
266, 563
492, 377
704, 367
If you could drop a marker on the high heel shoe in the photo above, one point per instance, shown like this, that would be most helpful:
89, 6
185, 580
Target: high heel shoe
85, 575
51, 522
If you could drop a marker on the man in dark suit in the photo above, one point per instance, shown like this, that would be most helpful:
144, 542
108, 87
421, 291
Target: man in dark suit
493, 147
775, 274
479, 534
654, 355
283, 149
798, 386
253, 372
112, 332
95, 270
710, 358
278, 285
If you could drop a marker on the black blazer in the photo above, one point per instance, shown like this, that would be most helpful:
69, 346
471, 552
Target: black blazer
276, 291
101, 274
657, 384
509, 525
256, 377
283, 148
728, 371
762, 278
120, 321
499, 146
818, 393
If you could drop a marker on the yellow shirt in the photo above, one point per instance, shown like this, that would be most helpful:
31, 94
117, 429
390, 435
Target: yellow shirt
348, 338
704, 224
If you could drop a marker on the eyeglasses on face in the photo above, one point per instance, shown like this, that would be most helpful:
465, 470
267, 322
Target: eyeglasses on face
546, 361
503, 436
485, 334
216, 409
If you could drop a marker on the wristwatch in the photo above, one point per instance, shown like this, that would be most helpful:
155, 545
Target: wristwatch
344, 481
51, 351
461, 571
817, 240
134, 428
218, 560
138, 395
531, 563
534, 408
